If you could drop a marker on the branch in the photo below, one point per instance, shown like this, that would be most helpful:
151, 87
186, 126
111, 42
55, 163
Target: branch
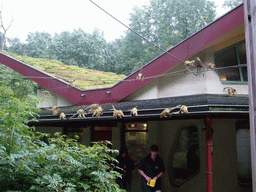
10, 24
2, 18
2, 24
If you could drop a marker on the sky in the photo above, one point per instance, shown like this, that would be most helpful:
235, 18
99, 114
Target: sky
56, 16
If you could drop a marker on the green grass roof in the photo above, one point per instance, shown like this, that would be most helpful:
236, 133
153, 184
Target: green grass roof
84, 78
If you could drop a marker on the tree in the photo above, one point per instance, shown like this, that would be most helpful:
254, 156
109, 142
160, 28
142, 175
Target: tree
29, 164
16, 46
230, 4
38, 44
79, 48
3, 38
164, 23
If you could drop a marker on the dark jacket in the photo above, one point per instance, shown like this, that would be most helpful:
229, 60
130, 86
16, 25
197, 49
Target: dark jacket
151, 168
126, 164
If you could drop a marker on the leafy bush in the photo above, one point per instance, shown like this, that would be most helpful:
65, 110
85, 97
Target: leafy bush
32, 161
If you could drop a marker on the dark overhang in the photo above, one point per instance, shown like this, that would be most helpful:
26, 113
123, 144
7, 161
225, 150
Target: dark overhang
148, 110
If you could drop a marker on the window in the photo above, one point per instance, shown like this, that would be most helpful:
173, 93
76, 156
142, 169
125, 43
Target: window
136, 141
102, 133
232, 59
185, 160
243, 152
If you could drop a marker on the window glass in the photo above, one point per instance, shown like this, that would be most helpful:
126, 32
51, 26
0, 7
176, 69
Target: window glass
185, 161
227, 58
242, 59
230, 61
244, 72
243, 152
136, 127
136, 141
242, 53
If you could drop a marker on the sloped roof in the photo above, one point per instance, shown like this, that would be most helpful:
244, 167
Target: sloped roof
156, 67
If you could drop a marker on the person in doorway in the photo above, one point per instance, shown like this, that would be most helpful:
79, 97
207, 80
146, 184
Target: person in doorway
150, 168
127, 165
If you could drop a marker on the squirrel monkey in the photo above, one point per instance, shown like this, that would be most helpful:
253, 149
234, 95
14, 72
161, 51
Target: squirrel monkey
183, 109
198, 62
63, 116
231, 91
55, 110
92, 108
166, 112
210, 65
71, 82
134, 111
190, 63
98, 112
81, 113
140, 76
117, 113
194, 63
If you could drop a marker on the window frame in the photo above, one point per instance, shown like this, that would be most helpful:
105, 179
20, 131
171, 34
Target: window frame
242, 81
173, 182
242, 124
134, 131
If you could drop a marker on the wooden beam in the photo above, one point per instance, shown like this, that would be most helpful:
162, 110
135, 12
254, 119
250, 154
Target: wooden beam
209, 172
250, 32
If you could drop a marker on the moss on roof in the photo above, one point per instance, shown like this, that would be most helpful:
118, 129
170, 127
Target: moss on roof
84, 78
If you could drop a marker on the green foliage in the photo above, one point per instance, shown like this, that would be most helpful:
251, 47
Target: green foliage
163, 22
230, 4
27, 163
95, 79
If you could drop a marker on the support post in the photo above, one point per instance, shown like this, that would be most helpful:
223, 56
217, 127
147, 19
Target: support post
209, 154
250, 37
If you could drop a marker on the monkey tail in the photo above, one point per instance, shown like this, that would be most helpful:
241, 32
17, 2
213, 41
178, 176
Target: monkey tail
226, 88
175, 107
113, 107
73, 116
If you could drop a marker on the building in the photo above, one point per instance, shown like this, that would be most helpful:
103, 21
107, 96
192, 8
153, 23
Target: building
216, 128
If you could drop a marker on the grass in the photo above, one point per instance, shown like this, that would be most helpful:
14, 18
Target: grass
85, 79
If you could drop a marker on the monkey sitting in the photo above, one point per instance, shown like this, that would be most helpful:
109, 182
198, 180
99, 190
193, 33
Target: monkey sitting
134, 111
63, 116
81, 114
231, 91
183, 109
140, 77
98, 112
55, 110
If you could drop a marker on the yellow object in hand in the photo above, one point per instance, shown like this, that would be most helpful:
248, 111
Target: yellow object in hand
152, 183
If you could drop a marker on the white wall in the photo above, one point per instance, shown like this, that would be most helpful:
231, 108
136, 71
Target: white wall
205, 81
51, 99
149, 91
